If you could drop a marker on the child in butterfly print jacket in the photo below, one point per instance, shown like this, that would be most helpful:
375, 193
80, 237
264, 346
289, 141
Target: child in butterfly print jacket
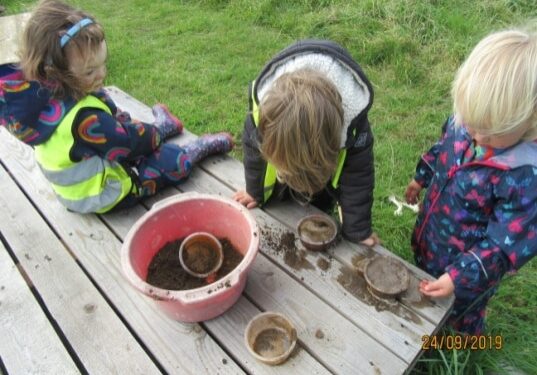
479, 215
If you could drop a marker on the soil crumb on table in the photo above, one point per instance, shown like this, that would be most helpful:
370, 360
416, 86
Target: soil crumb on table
323, 264
165, 269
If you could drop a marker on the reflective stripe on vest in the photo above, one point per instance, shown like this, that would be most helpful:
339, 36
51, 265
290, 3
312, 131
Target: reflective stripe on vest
91, 185
270, 173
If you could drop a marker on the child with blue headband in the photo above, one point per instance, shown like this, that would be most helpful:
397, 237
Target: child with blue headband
95, 156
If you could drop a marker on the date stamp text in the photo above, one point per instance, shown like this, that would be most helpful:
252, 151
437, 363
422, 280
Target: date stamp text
462, 342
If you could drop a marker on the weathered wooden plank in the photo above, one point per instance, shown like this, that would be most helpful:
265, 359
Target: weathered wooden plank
179, 348
29, 344
229, 329
11, 28
71, 298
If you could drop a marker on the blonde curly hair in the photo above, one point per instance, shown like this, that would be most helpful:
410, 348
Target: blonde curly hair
495, 89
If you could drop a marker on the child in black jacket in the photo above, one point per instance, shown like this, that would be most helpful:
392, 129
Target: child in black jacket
307, 135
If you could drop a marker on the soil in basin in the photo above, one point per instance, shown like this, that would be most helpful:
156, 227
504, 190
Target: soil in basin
165, 269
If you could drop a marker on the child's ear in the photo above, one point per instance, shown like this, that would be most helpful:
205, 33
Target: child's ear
48, 69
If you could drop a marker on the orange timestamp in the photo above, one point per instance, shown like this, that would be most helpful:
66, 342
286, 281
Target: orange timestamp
462, 342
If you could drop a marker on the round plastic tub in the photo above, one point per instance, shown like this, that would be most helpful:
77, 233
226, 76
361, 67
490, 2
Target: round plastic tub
175, 218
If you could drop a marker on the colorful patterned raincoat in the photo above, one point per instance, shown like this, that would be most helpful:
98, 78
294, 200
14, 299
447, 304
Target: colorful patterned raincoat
478, 220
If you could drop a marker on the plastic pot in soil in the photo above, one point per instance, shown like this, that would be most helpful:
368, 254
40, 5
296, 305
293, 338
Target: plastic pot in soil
175, 218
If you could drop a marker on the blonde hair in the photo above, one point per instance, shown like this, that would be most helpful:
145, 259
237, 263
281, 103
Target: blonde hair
300, 123
42, 57
495, 89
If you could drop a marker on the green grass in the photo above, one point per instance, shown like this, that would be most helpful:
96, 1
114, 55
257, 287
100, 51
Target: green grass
198, 57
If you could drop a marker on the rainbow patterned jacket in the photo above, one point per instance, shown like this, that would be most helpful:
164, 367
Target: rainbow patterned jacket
31, 114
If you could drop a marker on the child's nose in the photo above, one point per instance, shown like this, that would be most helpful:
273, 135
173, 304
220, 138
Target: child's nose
101, 73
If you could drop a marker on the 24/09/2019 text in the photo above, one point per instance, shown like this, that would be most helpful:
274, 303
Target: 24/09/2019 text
462, 342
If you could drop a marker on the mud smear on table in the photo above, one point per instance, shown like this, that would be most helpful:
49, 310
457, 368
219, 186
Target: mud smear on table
323, 264
285, 241
354, 283
165, 270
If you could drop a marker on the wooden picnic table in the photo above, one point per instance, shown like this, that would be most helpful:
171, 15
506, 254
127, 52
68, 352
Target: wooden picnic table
67, 308
11, 28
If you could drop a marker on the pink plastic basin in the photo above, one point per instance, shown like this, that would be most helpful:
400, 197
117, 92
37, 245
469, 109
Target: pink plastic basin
177, 217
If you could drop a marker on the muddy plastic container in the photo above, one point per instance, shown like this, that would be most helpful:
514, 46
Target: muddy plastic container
270, 337
317, 232
175, 218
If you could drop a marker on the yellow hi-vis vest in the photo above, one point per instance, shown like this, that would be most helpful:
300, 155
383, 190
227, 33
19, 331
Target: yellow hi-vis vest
91, 185
270, 172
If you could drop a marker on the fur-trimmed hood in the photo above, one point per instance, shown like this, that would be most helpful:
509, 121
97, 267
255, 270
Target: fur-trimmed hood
337, 65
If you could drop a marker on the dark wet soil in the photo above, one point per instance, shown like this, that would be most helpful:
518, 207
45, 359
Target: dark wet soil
285, 242
323, 264
165, 270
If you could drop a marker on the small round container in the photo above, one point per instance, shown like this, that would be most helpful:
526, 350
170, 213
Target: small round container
201, 254
386, 276
317, 232
270, 337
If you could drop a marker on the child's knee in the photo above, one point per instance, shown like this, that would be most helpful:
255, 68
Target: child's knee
182, 169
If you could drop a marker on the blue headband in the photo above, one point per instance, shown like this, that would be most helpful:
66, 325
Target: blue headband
73, 30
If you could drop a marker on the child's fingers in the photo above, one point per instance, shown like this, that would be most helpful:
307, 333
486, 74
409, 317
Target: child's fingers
252, 204
245, 199
436, 288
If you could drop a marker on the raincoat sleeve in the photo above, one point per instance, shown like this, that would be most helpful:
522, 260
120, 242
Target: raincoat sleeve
510, 237
254, 164
114, 137
425, 168
356, 190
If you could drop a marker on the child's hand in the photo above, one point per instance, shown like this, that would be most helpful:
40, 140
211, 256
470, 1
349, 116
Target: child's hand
443, 287
123, 117
371, 241
412, 192
245, 199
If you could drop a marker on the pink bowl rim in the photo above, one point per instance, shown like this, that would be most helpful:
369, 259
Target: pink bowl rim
204, 292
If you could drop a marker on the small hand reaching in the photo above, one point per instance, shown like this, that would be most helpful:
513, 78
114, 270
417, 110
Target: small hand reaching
371, 241
443, 287
245, 199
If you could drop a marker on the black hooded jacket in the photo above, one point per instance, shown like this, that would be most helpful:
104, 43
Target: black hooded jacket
355, 190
